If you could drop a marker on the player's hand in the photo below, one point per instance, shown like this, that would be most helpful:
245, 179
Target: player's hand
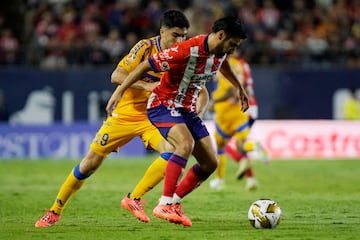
244, 99
113, 101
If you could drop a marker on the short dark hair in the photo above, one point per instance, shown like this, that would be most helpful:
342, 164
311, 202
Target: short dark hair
174, 18
232, 26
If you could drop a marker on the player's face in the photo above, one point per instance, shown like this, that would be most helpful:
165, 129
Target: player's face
170, 36
227, 46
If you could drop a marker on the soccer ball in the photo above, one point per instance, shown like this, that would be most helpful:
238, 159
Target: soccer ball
264, 213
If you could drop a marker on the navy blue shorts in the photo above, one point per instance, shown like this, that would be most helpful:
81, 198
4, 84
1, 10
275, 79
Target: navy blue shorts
163, 119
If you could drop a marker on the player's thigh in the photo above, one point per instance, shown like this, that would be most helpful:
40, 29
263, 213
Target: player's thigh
167, 120
205, 153
153, 139
227, 125
224, 130
112, 135
243, 128
242, 135
181, 139
220, 140
171, 125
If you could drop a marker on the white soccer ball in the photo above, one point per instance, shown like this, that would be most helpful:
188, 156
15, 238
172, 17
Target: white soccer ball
264, 213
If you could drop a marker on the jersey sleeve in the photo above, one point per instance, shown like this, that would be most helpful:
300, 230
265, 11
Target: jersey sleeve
166, 59
137, 54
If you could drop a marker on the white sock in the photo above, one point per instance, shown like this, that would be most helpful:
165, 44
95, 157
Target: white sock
176, 199
164, 200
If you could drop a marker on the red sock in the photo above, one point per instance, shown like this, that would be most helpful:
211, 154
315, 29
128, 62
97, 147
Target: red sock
249, 173
233, 153
194, 177
173, 171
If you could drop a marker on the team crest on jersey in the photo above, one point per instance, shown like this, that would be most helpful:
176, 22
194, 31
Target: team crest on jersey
164, 55
164, 66
131, 57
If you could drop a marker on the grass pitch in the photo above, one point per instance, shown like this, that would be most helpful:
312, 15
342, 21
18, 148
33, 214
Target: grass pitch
319, 200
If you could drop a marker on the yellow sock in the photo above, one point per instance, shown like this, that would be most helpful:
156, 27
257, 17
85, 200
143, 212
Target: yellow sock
220, 171
68, 189
248, 146
153, 175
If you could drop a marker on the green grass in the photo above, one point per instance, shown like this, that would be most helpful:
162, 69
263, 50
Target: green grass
319, 200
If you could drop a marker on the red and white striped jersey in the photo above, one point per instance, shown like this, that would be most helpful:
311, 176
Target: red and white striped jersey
188, 66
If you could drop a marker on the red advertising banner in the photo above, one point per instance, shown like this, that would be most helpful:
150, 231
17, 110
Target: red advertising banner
307, 139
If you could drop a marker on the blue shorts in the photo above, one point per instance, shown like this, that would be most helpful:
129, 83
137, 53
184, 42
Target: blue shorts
164, 118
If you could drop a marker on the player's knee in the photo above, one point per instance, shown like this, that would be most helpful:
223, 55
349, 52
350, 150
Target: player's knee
87, 168
165, 146
184, 151
185, 147
210, 165
213, 165
90, 163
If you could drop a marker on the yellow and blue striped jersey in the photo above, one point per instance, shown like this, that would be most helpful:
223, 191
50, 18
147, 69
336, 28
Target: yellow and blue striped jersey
133, 103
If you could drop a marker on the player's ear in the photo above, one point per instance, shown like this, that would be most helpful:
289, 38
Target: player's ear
221, 35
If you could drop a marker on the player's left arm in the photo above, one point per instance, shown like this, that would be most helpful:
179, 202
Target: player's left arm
119, 74
203, 101
229, 75
252, 112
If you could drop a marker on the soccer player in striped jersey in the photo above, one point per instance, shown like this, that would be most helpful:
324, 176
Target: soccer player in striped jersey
172, 107
233, 124
128, 120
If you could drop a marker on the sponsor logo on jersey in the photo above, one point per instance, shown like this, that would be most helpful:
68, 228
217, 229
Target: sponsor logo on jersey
131, 57
205, 76
164, 55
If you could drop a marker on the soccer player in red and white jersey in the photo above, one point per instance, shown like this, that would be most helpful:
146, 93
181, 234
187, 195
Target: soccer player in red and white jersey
172, 107
129, 120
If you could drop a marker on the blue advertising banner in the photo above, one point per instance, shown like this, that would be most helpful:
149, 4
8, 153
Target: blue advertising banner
59, 141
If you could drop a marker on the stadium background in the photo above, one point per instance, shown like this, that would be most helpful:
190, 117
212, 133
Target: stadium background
55, 77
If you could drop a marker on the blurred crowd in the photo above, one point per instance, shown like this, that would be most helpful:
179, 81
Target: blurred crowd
55, 34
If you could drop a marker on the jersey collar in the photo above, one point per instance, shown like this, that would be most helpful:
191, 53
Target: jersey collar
158, 43
206, 45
